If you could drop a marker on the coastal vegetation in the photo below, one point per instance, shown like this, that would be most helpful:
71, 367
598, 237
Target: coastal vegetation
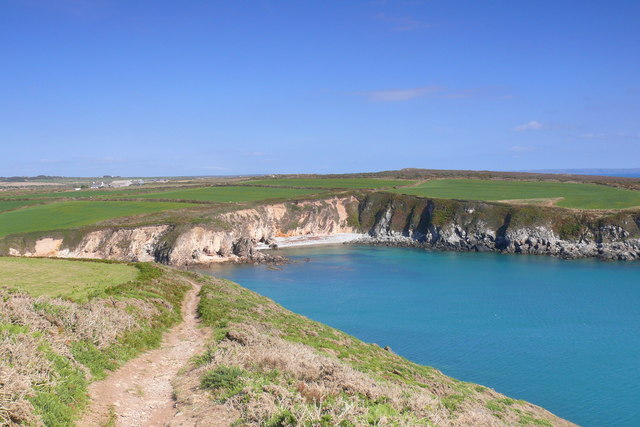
268, 366
63, 278
51, 348
263, 365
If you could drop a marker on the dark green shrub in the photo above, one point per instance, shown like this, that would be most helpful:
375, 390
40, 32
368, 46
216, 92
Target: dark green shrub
227, 377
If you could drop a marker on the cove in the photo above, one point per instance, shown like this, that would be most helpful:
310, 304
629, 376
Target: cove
561, 334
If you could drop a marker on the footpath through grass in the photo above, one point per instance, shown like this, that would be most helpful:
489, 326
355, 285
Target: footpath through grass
228, 194
580, 196
52, 348
353, 183
64, 215
65, 278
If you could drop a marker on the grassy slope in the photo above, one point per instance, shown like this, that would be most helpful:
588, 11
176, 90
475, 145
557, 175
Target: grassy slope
331, 182
74, 214
51, 349
72, 279
269, 366
582, 196
228, 194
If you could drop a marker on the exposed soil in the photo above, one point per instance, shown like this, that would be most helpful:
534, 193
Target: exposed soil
548, 201
140, 393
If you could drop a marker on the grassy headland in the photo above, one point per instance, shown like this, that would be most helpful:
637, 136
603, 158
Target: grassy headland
55, 216
63, 278
564, 194
264, 366
269, 366
52, 348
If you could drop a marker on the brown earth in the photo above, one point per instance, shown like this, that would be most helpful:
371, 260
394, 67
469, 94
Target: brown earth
140, 393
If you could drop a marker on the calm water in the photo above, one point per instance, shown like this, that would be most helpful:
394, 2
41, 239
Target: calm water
561, 334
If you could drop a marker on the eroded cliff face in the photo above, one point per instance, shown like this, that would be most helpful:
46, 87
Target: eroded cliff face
248, 227
386, 218
475, 226
233, 236
124, 244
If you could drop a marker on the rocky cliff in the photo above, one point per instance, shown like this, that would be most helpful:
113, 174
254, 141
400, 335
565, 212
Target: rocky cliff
386, 218
230, 237
476, 226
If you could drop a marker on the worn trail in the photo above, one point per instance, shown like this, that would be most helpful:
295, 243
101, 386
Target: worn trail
140, 393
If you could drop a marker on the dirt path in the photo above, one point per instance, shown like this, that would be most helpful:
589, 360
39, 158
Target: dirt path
140, 392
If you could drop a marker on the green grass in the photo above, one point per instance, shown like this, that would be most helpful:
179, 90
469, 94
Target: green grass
130, 192
59, 402
227, 194
582, 196
51, 277
331, 182
224, 302
7, 205
64, 215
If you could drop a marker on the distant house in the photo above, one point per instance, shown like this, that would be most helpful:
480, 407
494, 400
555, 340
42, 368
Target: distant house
95, 185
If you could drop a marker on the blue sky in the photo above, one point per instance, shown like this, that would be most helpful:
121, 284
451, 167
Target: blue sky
151, 87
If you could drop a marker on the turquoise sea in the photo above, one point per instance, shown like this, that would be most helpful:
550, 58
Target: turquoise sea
562, 334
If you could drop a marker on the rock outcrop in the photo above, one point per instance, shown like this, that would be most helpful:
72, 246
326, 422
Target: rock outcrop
474, 226
388, 219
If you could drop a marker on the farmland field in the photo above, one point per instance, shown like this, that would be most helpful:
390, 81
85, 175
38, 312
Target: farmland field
331, 182
569, 195
227, 194
7, 205
51, 278
74, 214
77, 194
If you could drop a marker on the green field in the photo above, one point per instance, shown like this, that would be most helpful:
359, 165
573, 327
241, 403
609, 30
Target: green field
331, 182
77, 194
62, 215
569, 195
51, 277
7, 205
227, 194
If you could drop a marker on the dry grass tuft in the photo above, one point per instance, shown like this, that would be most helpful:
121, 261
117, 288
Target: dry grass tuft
22, 367
50, 348
101, 320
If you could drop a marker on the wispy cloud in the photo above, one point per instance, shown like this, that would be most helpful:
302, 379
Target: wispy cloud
532, 125
403, 23
394, 95
433, 91
618, 135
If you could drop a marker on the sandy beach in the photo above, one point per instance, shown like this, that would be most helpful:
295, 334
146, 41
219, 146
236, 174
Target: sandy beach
307, 240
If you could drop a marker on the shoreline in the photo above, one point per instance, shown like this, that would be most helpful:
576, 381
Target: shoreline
312, 240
